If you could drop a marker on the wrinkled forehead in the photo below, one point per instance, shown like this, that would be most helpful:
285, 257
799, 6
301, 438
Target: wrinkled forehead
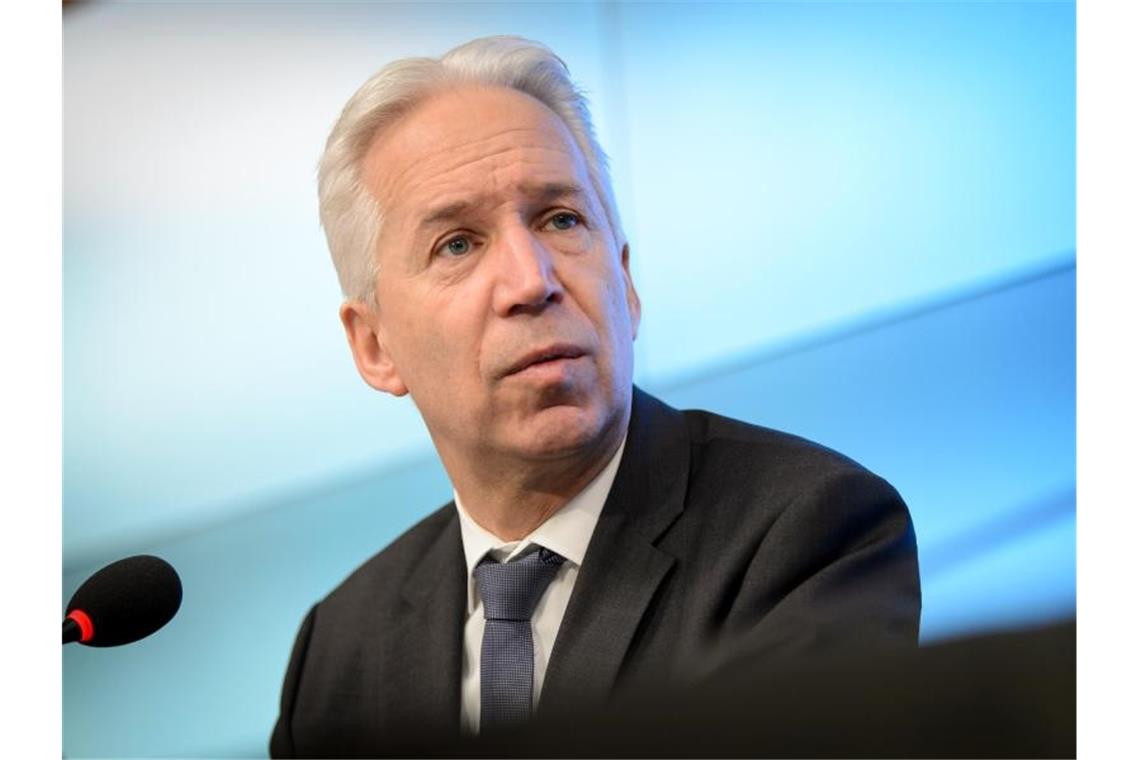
466, 143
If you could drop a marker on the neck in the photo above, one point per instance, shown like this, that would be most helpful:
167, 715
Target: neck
512, 499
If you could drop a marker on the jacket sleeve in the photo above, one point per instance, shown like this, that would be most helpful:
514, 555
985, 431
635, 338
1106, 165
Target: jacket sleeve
281, 742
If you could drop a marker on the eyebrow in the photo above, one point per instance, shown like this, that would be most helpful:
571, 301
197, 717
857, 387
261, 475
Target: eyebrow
545, 192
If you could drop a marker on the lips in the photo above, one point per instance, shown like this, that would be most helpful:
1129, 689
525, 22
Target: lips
546, 354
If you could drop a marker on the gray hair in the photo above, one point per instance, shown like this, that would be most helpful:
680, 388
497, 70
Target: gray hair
350, 214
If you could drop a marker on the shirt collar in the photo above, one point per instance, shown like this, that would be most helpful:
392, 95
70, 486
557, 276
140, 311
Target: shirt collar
566, 532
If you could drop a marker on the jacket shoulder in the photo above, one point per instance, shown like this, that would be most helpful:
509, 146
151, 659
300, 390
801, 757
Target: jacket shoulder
755, 452
744, 474
798, 528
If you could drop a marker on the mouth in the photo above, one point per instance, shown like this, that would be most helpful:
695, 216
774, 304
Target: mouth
546, 355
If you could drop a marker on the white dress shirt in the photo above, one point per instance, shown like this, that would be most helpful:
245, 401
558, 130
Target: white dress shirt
567, 532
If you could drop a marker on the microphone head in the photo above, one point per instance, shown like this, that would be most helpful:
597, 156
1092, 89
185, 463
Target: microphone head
125, 601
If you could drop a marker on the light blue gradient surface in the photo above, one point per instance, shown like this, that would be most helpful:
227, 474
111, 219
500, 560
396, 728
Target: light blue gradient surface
854, 222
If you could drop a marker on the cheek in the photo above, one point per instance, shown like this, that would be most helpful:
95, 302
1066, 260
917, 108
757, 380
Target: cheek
444, 342
618, 304
601, 294
412, 339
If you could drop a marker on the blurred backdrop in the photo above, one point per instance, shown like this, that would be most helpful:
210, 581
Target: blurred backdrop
854, 222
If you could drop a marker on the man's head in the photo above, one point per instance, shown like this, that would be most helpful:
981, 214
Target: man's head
498, 291
350, 214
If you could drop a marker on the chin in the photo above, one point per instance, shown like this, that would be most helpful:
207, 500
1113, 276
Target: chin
560, 431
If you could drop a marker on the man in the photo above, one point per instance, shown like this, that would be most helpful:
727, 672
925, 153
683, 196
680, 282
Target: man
597, 537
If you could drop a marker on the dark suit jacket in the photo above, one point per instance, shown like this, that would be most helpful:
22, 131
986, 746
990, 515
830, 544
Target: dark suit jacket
718, 540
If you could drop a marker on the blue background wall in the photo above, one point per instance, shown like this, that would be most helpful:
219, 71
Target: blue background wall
853, 222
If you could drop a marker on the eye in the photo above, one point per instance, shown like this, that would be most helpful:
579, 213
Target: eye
564, 220
457, 246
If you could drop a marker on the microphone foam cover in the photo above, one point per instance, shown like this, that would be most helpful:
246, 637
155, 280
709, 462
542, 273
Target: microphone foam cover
128, 600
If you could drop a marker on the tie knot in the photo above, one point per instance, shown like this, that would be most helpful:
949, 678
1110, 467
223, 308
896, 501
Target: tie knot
511, 590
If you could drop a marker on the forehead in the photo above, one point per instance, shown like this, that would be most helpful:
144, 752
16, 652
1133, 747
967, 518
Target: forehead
470, 144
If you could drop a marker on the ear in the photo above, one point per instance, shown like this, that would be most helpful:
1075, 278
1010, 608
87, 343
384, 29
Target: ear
365, 338
631, 296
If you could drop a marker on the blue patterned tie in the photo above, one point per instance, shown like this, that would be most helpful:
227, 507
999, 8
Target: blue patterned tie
510, 592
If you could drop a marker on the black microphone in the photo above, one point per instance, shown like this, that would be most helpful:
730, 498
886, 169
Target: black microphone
125, 601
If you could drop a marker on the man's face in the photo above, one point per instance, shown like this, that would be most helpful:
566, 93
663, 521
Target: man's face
503, 304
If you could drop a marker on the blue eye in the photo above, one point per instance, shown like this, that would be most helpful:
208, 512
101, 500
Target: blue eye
564, 220
458, 246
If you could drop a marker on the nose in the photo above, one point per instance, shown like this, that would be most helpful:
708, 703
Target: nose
526, 280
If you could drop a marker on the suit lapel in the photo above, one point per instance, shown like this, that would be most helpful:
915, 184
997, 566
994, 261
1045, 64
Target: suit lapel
427, 674
622, 568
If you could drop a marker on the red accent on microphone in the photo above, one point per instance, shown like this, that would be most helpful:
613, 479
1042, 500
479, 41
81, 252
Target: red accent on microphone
86, 627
